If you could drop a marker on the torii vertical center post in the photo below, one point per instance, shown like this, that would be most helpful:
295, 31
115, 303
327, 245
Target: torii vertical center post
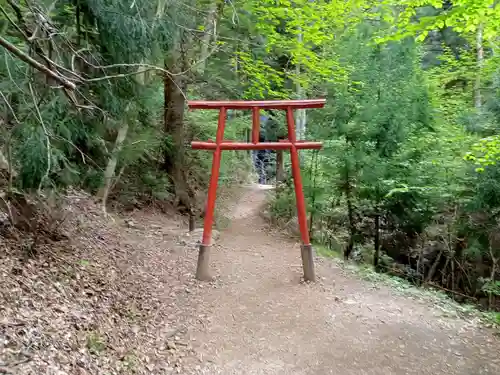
203, 268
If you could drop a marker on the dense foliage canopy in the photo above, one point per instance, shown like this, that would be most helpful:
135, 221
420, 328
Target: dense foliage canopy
93, 95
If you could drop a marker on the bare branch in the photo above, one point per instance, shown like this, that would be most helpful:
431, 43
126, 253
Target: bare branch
123, 75
31, 40
148, 67
28, 34
10, 107
35, 64
132, 65
12, 22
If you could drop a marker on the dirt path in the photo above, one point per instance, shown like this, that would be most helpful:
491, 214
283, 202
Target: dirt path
260, 319
120, 298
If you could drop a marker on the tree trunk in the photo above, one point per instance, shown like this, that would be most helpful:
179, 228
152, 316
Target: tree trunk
280, 170
480, 60
376, 242
300, 114
141, 78
434, 266
350, 213
209, 30
175, 86
109, 173
352, 229
5, 164
453, 277
494, 263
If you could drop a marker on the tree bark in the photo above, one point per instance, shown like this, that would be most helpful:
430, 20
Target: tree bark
209, 30
6, 165
376, 242
480, 60
434, 267
494, 263
350, 212
300, 114
109, 173
175, 86
280, 170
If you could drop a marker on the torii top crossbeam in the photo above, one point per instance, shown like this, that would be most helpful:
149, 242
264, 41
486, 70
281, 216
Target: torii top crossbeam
262, 104
291, 144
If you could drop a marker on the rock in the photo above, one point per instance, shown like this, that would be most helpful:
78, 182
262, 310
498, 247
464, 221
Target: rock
198, 234
194, 238
293, 227
171, 345
215, 235
133, 225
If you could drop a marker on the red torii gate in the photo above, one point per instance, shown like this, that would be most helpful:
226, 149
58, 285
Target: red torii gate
202, 270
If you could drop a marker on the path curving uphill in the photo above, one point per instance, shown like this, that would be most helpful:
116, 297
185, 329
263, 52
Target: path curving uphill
260, 319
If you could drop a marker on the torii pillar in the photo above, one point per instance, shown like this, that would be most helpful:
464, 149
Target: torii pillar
203, 267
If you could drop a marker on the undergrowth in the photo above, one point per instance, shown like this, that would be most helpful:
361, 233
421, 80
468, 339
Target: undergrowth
438, 298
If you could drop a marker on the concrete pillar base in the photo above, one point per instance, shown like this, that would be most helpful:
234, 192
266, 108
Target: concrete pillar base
306, 251
203, 267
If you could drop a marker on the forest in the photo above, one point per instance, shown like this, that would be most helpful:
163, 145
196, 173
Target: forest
93, 96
